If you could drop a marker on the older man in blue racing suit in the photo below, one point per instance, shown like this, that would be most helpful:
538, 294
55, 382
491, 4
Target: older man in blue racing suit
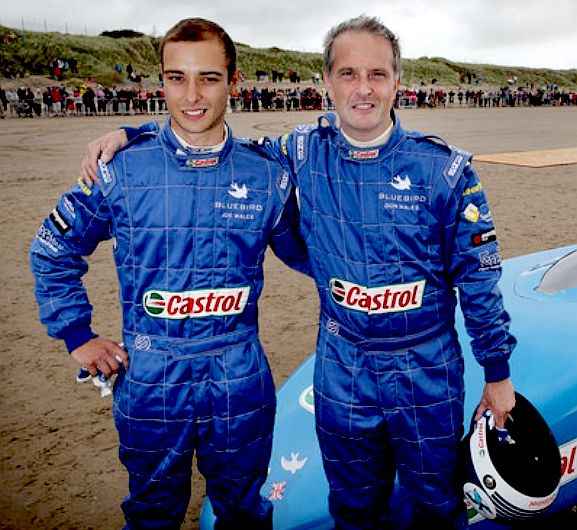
191, 226
396, 223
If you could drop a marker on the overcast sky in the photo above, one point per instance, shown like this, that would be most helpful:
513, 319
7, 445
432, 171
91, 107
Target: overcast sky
531, 33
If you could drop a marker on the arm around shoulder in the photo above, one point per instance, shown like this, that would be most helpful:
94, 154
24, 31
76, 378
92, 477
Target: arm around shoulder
106, 146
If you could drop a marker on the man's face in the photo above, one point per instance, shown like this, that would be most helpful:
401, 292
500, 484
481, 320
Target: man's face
362, 83
196, 87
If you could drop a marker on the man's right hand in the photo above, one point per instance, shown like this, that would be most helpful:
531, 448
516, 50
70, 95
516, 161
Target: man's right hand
101, 354
104, 148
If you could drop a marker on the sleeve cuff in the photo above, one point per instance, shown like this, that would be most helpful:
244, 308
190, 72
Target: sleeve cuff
76, 337
497, 372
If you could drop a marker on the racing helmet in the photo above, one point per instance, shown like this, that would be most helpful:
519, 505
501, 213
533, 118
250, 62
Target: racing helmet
511, 474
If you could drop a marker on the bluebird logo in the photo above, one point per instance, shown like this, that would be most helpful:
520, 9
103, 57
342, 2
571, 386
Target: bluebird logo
238, 192
294, 464
401, 183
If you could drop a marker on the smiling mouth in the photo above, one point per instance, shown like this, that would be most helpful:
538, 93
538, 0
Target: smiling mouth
194, 113
363, 106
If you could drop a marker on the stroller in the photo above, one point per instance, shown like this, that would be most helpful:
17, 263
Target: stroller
24, 109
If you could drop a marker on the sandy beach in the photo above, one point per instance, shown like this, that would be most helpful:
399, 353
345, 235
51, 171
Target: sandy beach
59, 465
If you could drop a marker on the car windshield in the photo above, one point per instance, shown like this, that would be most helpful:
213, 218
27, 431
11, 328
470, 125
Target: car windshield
561, 276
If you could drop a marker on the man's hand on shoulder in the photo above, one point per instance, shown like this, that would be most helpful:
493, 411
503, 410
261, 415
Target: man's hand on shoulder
104, 148
101, 354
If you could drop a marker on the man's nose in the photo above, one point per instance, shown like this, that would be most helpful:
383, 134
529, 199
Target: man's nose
193, 92
364, 86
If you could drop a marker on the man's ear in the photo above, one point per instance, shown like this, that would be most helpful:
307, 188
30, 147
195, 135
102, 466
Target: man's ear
327, 82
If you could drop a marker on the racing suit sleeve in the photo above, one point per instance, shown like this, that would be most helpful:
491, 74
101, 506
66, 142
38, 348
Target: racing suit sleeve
281, 149
287, 242
474, 263
73, 229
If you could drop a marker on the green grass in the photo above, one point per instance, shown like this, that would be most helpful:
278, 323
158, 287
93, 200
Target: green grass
97, 57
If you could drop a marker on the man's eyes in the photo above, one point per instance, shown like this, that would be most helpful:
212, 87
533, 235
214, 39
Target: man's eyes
378, 75
208, 80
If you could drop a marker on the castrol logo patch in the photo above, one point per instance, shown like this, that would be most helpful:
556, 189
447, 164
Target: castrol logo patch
202, 162
195, 304
364, 155
377, 300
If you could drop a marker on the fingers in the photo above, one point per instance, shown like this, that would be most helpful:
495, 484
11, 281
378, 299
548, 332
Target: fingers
114, 359
103, 148
501, 418
480, 410
107, 153
121, 357
92, 369
96, 149
101, 354
87, 177
88, 172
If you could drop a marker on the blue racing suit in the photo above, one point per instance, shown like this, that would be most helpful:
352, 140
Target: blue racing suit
190, 233
393, 233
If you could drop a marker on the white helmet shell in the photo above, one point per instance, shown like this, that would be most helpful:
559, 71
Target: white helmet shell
515, 476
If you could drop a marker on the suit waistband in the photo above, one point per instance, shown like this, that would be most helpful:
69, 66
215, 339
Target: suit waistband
185, 346
375, 344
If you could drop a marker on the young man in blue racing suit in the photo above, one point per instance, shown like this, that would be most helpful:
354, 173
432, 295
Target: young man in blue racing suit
192, 211
395, 223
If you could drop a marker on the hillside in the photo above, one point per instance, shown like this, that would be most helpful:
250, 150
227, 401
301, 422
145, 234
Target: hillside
26, 54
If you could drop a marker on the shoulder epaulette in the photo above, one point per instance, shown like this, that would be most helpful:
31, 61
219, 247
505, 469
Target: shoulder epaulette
456, 161
431, 138
262, 146
455, 165
107, 178
141, 137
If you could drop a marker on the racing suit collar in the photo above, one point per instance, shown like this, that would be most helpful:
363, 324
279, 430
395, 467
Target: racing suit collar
329, 122
194, 158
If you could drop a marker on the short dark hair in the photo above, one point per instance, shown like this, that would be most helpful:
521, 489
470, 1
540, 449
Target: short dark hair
362, 23
200, 29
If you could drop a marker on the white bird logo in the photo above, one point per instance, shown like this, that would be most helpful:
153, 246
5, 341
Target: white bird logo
401, 183
294, 464
238, 192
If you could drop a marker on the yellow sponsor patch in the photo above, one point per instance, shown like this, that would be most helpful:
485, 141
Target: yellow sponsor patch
83, 187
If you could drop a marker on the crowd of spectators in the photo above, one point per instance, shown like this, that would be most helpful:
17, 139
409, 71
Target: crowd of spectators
92, 99
86, 100
500, 97
278, 98
83, 100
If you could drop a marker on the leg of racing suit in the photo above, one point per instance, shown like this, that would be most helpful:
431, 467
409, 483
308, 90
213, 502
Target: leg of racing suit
377, 411
222, 404
234, 448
